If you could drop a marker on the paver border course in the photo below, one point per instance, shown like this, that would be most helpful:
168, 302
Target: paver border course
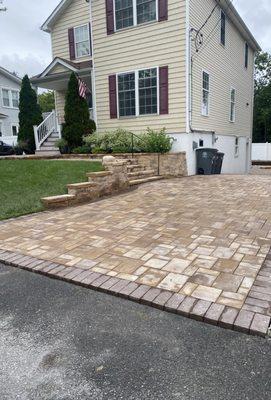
246, 320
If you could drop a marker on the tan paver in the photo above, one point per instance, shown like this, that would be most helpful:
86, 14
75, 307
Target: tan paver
205, 237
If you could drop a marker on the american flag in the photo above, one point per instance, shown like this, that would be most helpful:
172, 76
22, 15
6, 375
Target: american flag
83, 89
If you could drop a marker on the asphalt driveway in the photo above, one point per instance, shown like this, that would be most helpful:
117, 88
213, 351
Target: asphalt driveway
62, 342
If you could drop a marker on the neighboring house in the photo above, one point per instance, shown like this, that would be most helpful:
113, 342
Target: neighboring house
10, 86
186, 65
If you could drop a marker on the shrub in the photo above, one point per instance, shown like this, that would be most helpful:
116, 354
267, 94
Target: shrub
62, 144
120, 141
77, 118
155, 141
85, 149
29, 115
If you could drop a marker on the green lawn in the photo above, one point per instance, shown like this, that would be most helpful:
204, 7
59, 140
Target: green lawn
24, 182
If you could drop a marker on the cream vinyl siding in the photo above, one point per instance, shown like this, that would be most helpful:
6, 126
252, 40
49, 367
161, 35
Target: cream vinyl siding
226, 66
75, 15
58, 69
60, 104
148, 45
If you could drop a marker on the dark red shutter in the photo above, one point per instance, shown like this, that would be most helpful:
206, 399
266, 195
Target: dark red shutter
162, 10
163, 89
89, 27
71, 43
109, 16
113, 96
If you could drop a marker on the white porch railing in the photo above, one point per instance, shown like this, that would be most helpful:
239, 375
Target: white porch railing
44, 130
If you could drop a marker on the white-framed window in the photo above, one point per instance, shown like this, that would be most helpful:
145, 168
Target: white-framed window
205, 106
138, 92
236, 146
232, 105
223, 28
82, 41
10, 98
15, 98
14, 129
246, 55
134, 12
6, 98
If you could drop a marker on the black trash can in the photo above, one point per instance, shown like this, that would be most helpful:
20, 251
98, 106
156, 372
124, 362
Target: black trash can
218, 161
205, 161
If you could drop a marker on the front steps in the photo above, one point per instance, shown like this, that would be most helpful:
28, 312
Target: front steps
102, 183
138, 173
48, 147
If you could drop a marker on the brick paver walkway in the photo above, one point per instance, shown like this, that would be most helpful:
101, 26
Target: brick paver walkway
203, 238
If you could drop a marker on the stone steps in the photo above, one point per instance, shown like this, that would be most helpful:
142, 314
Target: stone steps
135, 182
141, 174
63, 200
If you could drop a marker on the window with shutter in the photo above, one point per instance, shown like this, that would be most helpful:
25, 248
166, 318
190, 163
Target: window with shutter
138, 92
125, 13
163, 83
71, 43
113, 96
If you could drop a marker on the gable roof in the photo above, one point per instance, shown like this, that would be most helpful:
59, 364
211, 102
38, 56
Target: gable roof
226, 5
55, 15
10, 75
75, 67
236, 19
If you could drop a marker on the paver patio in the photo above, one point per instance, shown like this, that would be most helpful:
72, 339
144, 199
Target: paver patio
203, 238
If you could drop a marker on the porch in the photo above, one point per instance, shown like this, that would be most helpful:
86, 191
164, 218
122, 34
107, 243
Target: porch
56, 77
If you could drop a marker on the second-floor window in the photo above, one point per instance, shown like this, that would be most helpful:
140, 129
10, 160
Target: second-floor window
205, 94
223, 28
81, 41
138, 93
246, 55
134, 12
10, 98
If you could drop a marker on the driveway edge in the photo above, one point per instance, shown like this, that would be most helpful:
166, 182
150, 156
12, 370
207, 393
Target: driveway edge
244, 320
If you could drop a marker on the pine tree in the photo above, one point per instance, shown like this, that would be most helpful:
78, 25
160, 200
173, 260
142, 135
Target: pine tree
77, 119
29, 115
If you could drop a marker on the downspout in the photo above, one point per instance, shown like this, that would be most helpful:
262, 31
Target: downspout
93, 77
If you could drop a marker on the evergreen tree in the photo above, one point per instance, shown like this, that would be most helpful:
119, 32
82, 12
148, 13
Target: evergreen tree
29, 115
77, 118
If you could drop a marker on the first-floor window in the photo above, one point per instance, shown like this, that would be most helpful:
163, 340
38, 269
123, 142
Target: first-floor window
147, 84
14, 129
205, 93
232, 105
138, 92
236, 147
127, 94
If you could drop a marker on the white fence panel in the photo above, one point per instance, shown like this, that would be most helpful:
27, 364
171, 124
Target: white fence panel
261, 152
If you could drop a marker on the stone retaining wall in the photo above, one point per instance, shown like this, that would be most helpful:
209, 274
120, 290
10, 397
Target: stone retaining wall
167, 165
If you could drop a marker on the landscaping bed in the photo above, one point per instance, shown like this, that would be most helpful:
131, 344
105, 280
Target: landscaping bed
24, 182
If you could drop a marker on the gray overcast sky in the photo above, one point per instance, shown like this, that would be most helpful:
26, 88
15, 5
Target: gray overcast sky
24, 48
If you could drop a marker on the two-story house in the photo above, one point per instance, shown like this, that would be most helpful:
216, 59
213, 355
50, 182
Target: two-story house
186, 65
10, 86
